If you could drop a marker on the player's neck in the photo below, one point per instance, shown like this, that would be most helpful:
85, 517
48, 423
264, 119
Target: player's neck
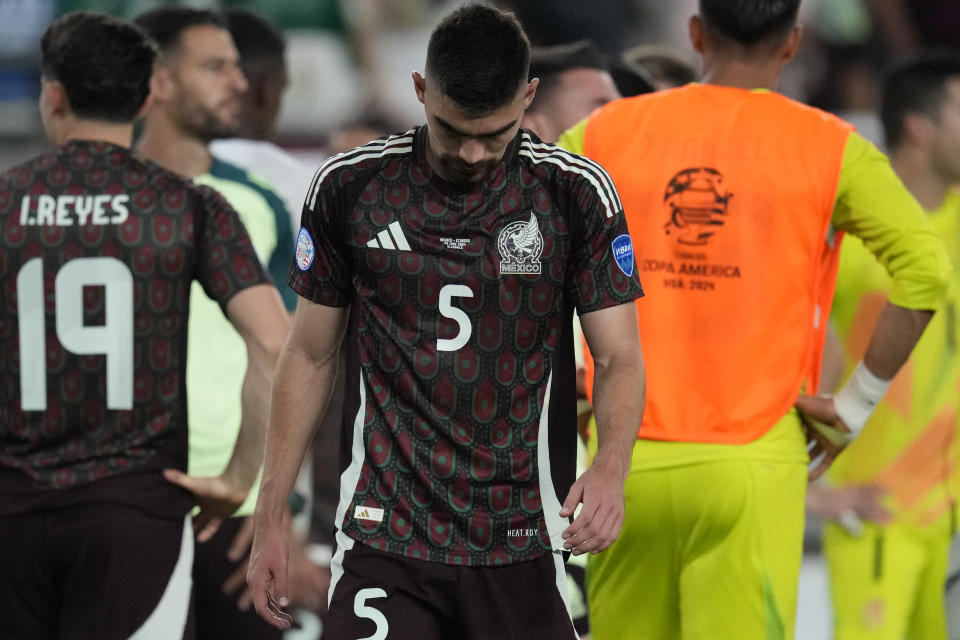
741, 73
915, 169
165, 143
119, 134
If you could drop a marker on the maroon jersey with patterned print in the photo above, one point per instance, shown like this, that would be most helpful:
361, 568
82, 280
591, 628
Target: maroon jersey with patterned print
459, 417
97, 253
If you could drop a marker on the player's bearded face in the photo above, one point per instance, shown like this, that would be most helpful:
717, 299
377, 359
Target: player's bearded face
464, 148
455, 169
209, 83
209, 121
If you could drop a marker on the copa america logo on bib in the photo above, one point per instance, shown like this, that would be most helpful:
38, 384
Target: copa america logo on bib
520, 245
305, 250
622, 247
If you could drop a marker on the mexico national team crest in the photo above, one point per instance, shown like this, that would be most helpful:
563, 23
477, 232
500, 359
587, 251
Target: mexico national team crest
305, 250
520, 244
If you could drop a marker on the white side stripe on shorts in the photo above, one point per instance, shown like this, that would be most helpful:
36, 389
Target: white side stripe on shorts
169, 619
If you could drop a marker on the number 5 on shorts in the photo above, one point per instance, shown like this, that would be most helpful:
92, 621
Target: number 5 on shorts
361, 610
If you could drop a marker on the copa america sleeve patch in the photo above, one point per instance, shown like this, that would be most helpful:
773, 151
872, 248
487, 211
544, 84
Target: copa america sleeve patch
306, 251
623, 253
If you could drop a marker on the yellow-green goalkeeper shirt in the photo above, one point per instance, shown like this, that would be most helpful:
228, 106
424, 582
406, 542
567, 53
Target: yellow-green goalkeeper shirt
910, 444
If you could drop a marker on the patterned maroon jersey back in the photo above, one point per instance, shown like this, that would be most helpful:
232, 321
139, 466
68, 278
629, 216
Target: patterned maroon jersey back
97, 253
459, 425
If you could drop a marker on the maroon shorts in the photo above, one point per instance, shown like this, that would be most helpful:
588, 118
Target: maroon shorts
376, 595
99, 571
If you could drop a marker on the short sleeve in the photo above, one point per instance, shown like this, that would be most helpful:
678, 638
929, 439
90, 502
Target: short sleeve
602, 268
226, 261
322, 265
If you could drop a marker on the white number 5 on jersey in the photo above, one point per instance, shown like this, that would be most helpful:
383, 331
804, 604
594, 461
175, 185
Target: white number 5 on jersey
447, 293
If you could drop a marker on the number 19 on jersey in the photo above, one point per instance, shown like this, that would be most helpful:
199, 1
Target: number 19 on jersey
114, 338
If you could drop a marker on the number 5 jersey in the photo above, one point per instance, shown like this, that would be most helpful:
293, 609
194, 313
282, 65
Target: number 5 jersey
459, 425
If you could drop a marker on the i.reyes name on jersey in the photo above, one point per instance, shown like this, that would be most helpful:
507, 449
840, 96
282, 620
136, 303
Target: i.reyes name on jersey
69, 210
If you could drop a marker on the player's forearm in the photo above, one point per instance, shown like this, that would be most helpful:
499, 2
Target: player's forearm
619, 390
255, 408
301, 393
259, 317
894, 336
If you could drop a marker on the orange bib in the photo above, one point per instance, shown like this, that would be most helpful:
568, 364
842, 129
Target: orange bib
728, 196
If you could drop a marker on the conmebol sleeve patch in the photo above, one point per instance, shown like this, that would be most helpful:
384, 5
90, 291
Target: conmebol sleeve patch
306, 251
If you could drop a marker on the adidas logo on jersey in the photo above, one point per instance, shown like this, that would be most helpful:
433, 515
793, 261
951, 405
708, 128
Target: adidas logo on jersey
368, 513
390, 238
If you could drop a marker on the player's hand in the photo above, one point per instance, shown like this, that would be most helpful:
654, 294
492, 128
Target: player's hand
600, 489
849, 506
267, 574
826, 434
216, 496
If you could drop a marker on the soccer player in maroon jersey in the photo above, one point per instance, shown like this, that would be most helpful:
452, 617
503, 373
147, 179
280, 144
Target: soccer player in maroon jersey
98, 253
449, 260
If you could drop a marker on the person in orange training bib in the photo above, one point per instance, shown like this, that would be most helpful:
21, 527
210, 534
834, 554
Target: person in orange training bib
736, 198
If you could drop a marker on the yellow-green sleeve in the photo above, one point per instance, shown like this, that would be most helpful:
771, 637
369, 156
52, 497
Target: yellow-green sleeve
873, 205
572, 138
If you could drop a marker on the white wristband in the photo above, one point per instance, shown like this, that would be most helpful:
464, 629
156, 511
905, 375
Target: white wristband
858, 398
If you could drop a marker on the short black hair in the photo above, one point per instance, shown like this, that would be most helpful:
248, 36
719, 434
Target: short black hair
750, 22
103, 63
660, 64
257, 40
478, 57
167, 24
915, 85
549, 63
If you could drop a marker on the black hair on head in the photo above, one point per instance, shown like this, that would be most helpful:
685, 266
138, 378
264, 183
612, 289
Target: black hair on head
257, 40
916, 85
478, 57
167, 24
750, 22
103, 63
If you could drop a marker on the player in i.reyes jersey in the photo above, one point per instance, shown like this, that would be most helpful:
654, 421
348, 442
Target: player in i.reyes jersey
450, 259
99, 252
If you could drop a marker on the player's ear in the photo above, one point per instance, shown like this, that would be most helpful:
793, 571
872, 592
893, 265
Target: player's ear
53, 98
419, 86
161, 83
697, 35
531, 91
791, 44
919, 129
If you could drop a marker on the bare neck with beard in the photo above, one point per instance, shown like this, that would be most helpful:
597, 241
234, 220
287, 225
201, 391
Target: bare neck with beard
201, 123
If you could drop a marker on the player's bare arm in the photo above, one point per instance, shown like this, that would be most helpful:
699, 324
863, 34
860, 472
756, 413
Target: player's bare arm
618, 399
916, 260
259, 317
304, 380
897, 331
